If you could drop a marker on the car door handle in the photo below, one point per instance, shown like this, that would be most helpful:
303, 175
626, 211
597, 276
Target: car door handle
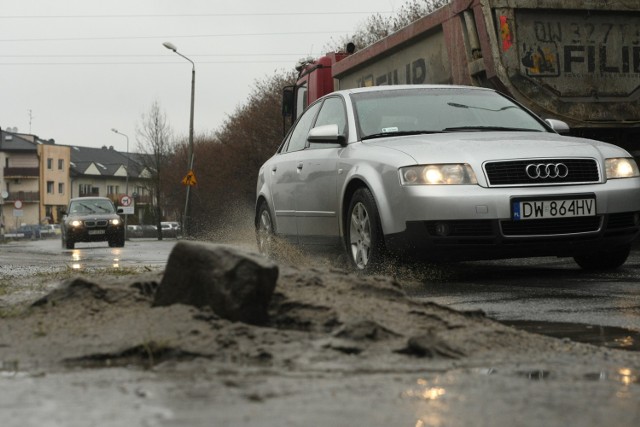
300, 165
274, 169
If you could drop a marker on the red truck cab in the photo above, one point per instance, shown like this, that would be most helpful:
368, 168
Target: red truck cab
315, 79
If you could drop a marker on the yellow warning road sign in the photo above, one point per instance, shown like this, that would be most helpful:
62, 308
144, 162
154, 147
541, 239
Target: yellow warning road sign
190, 179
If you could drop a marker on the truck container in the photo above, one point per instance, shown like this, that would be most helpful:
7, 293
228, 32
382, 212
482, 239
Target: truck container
573, 60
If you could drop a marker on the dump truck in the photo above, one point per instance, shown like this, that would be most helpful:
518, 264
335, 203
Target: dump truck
577, 61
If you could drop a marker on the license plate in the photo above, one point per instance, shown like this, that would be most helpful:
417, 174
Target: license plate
560, 208
93, 232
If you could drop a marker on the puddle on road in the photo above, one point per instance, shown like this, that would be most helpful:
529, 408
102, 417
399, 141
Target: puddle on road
605, 336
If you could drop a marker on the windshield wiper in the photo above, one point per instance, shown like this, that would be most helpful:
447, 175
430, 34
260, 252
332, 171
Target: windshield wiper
457, 105
488, 128
400, 133
87, 207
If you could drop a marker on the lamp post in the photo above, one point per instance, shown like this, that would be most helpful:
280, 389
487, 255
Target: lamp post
170, 46
126, 190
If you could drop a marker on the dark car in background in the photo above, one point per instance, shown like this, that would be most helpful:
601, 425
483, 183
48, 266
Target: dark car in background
134, 231
149, 230
30, 231
92, 219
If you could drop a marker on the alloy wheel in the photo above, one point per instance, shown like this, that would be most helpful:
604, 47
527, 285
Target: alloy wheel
360, 236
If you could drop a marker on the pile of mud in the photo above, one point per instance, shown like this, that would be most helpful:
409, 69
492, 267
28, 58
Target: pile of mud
318, 319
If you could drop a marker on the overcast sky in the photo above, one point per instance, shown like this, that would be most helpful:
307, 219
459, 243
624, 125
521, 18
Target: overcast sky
72, 70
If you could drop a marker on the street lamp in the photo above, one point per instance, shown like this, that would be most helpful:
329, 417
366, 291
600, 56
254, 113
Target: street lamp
170, 46
126, 190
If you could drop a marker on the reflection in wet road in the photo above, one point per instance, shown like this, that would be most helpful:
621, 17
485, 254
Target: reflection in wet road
44, 255
606, 336
151, 253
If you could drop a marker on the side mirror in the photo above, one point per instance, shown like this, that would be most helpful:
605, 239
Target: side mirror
326, 134
288, 100
559, 126
120, 211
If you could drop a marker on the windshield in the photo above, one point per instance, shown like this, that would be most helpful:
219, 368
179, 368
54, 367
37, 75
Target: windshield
434, 110
91, 206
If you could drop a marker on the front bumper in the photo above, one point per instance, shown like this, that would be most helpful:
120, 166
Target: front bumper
486, 239
83, 234
472, 222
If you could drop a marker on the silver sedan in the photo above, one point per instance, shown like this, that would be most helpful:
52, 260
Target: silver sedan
445, 173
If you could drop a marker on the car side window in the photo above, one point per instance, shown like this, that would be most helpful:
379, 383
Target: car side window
298, 138
333, 112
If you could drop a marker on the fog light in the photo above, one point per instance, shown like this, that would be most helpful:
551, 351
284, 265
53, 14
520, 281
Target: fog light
442, 229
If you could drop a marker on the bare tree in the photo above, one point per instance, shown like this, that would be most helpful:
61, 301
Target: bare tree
377, 27
228, 161
154, 137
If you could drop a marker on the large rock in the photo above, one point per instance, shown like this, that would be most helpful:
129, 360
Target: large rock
235, 284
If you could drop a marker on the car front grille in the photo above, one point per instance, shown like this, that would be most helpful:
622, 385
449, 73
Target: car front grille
96, 223
551, 226
514, 172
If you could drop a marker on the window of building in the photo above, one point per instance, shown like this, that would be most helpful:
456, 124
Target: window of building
113, 189
85, 190
49, 163
49, 187
61, 188
60, 164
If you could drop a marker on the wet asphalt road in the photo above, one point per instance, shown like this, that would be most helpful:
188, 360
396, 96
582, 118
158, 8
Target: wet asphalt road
48, 253
547, 295
541, 289
551, 296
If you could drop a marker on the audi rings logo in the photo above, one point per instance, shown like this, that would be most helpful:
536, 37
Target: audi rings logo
547, 170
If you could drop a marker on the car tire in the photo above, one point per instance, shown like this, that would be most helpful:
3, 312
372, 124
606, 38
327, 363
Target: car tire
363, 232
265, 231
600, 261
68, 243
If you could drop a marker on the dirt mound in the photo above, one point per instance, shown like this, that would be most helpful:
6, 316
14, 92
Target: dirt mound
314, 317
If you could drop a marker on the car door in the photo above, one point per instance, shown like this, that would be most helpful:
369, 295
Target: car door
283, 172
316, 185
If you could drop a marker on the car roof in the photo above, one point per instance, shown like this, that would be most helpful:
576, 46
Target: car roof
89, 198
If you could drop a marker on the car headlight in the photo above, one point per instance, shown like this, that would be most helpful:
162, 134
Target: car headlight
76, 223
115, 221
449, 173
621, 167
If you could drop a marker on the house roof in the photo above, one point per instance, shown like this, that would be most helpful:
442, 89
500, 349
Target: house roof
10, 141
102, 161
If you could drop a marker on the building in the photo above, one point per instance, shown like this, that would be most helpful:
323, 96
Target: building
106, 172
34, 183
38, 178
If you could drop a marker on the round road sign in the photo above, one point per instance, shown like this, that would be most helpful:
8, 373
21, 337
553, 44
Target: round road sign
17, 204
125, 200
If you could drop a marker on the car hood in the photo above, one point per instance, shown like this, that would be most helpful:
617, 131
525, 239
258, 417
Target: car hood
479, 147
91, 217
